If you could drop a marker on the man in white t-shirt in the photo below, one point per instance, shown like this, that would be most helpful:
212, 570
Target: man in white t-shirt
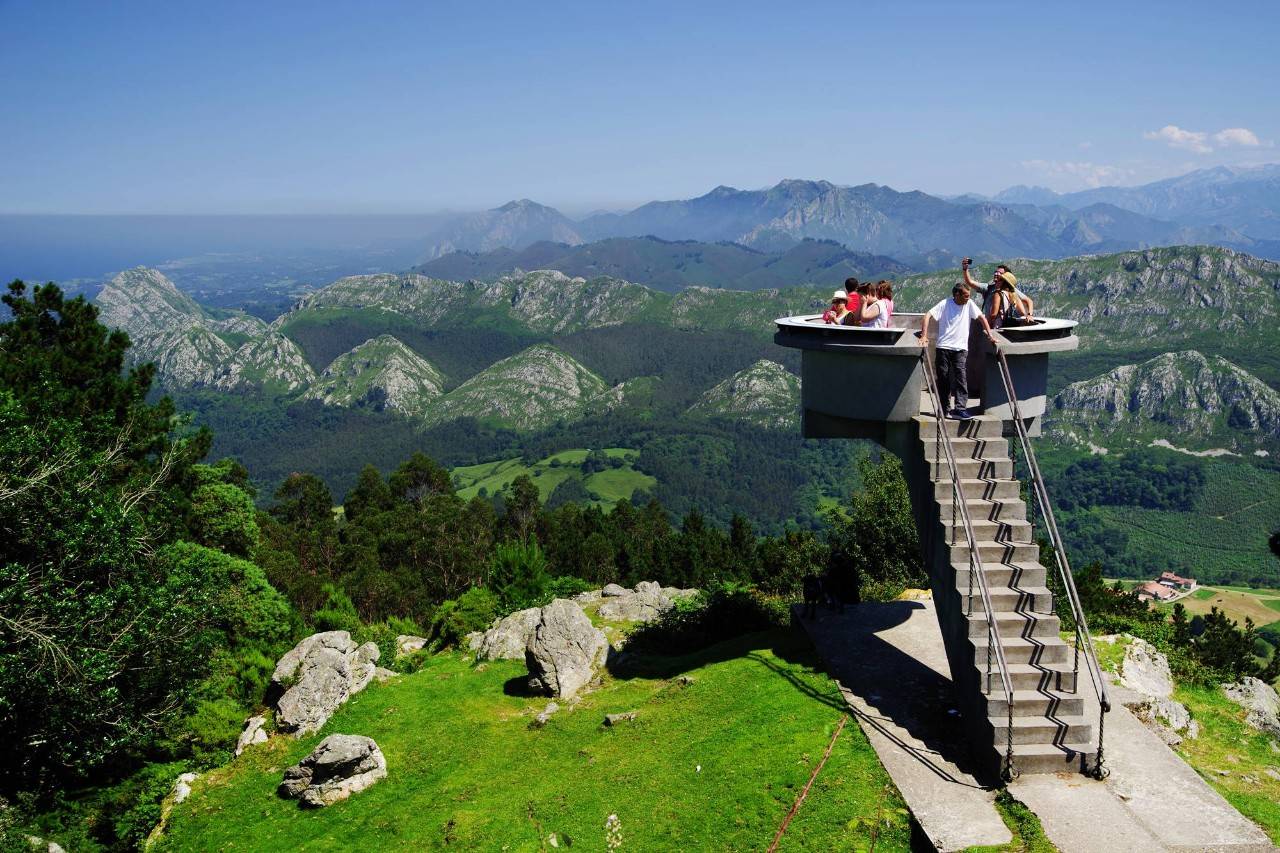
953, 318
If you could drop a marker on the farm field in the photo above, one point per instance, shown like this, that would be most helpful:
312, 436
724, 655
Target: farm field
606, 487
1238, 604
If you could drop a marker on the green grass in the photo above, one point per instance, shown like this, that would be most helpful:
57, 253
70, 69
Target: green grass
612, 485
1028, 833
1204, 594
467, 772
1226, 743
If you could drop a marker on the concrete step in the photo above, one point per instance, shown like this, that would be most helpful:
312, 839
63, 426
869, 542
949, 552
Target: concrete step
975, 489
1000, 509
1032, 758
1011, 624
1031, 703
993, 553
1010, 530
1000, 468
1011, 573
1047, 650
980, 427
967, 448
1075, 729
1022, 599
1029, 676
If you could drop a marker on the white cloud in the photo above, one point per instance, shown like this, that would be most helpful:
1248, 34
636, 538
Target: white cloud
1198, 141
1176, 137
1078, 174
1241, 136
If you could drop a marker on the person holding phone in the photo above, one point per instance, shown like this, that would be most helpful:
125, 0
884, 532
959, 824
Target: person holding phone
953, 317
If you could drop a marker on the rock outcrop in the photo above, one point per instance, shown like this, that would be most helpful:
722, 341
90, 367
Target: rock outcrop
645, 603
407, 644
381, 373
340, 766
507, 637
1260, 700
1194, 401
564, 650
766, 394
1145, 670
254, 733
318, 675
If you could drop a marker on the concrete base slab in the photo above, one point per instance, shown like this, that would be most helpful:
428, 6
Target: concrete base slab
892, 669
1151, 801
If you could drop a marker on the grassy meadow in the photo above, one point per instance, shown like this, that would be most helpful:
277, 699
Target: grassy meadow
610, 485
713, 762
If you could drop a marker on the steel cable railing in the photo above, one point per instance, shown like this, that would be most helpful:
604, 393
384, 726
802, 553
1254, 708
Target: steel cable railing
1041, 495
994, 646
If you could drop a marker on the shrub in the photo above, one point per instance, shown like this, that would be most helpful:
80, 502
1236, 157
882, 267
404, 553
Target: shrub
474, 610
726, 610
223, 517
338, 613
384, 634
518, 574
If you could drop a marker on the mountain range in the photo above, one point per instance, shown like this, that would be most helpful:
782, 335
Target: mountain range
672, 265
531, 348
1236, 208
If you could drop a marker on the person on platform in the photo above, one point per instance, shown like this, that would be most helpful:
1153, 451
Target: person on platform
886, 297
952, 319
875, 315
839, 308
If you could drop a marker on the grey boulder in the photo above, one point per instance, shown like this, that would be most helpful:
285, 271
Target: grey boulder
507, 637
317, 676
340, 766
645, 603
407, 644
613, 590
1146, 670
564, 650
254, 733
1260, 700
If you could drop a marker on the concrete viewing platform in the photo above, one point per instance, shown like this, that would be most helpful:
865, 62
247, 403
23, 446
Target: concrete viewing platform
891, 665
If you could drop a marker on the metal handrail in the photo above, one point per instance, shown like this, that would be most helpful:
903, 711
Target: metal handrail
994, 645
1041, 494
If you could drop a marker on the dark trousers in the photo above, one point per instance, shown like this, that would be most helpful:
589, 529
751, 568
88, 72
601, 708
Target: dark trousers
953, 378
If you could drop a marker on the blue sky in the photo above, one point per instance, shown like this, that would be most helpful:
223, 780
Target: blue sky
260, 107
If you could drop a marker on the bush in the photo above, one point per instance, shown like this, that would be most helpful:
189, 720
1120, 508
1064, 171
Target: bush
726, 610
223, 517
565, 586
518, 575
384, 634
474, 610
338, 613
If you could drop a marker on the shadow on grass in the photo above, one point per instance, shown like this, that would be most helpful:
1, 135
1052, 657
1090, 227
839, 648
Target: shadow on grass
519, 687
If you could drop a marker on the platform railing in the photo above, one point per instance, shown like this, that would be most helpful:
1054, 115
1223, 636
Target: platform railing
995, 649
1040, 493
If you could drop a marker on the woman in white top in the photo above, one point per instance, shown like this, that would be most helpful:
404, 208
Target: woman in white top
875, 315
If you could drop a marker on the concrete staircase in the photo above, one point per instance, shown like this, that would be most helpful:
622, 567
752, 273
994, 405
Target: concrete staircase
1053, 723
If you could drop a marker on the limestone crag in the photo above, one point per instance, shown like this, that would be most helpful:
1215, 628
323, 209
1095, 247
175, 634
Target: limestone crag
1145, 670
272, 362
564, 651
1185, 397
340, 766
766, 394
532, 389
380, 373
318, 675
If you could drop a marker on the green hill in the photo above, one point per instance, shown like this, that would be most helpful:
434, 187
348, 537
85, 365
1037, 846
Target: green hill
714, 763
381, 372
531, 389
766, 393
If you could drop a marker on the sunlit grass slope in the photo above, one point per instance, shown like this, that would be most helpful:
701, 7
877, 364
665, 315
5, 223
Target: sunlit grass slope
713, 763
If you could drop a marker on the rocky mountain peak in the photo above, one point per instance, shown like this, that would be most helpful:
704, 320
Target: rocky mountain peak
766, 393
381, 373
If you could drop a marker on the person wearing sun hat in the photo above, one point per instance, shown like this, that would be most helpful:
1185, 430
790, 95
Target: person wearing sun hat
838, 310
